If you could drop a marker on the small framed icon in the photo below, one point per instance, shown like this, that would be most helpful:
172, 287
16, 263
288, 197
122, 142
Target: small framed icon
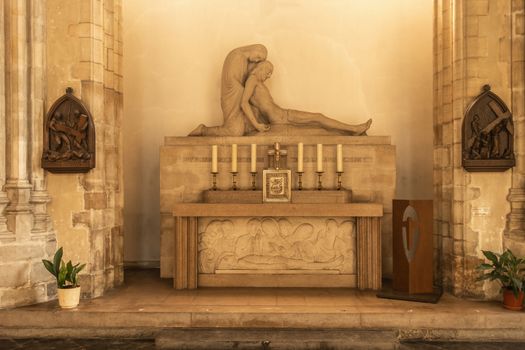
277, 185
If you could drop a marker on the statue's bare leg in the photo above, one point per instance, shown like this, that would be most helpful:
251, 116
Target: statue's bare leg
223, 130
300, 117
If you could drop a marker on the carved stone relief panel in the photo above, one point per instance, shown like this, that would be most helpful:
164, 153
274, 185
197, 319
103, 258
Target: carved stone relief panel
277, 245
488, 134
69, 136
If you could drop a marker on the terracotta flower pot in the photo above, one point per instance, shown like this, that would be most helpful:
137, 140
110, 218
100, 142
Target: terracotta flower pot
510, 301
68, 298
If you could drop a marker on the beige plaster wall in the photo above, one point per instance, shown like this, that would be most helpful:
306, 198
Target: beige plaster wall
348, 59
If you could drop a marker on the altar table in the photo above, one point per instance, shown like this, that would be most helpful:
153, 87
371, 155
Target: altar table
368, 226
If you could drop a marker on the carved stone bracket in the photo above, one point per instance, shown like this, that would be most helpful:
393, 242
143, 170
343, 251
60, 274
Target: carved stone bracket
69, 136
488, 134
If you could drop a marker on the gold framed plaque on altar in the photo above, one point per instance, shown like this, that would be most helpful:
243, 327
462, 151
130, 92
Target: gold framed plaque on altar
277, 185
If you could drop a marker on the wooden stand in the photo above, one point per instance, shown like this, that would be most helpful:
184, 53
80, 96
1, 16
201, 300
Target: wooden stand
413, 252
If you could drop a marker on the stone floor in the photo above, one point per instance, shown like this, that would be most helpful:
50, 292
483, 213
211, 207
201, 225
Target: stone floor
138, 344
147, 305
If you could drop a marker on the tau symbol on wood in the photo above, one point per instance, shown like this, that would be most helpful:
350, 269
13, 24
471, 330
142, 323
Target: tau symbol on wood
488, 134
69, 136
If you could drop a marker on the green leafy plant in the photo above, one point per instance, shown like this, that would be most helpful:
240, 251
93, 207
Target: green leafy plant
66, 274
505, 268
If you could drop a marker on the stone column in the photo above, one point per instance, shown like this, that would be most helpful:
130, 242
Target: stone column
39, 195
19, 216
99, 72
23, 279
471, 49
5, 235
516, 219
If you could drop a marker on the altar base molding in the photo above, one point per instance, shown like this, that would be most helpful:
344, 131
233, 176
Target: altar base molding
368, 218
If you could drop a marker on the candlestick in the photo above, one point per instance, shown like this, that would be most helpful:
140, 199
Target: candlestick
300, 180
234, 180
339, 185
214, 153
253, 164
319, 182
234, 158
214, 181
254, 174
319, 158
300, 156
339, 158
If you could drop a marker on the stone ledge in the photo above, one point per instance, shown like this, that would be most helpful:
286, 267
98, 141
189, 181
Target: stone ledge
270, 139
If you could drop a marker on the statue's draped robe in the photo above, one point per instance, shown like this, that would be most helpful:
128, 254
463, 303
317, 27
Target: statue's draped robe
234, 74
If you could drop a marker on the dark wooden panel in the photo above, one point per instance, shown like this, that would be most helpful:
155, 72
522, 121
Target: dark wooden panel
414, 276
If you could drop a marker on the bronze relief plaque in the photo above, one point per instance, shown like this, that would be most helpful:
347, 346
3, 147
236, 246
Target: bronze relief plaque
488, 134
69, 136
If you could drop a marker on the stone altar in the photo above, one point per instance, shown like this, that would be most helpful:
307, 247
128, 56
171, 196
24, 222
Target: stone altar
185, 165
309, 244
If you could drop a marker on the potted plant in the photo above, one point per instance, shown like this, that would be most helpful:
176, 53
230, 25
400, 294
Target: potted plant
66, 275
509, 271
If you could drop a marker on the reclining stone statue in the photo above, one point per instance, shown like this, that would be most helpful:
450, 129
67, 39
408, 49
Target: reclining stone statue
257, 95
247, 102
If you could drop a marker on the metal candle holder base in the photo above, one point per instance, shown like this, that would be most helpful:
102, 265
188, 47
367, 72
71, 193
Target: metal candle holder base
319, 180
339, 185
234, 181
254, 175
300, 180
214, 181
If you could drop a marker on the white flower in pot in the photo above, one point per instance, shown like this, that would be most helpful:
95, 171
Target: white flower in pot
66, 275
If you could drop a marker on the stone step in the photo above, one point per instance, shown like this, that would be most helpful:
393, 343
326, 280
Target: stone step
271, 339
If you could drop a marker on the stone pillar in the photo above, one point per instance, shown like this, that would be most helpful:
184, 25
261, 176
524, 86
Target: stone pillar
19, 217
101, 90
515, 235
23, 279
471, 49
39, 195
5, 235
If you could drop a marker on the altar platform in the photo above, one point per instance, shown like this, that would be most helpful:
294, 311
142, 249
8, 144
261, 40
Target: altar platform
148, 307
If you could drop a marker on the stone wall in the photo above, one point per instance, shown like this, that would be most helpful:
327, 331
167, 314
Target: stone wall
476, 42
47, 46
84, 51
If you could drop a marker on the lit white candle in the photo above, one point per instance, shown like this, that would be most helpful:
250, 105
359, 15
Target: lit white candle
234, 158
300, 156
319, 158
253, 165
339, 158
214, 159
